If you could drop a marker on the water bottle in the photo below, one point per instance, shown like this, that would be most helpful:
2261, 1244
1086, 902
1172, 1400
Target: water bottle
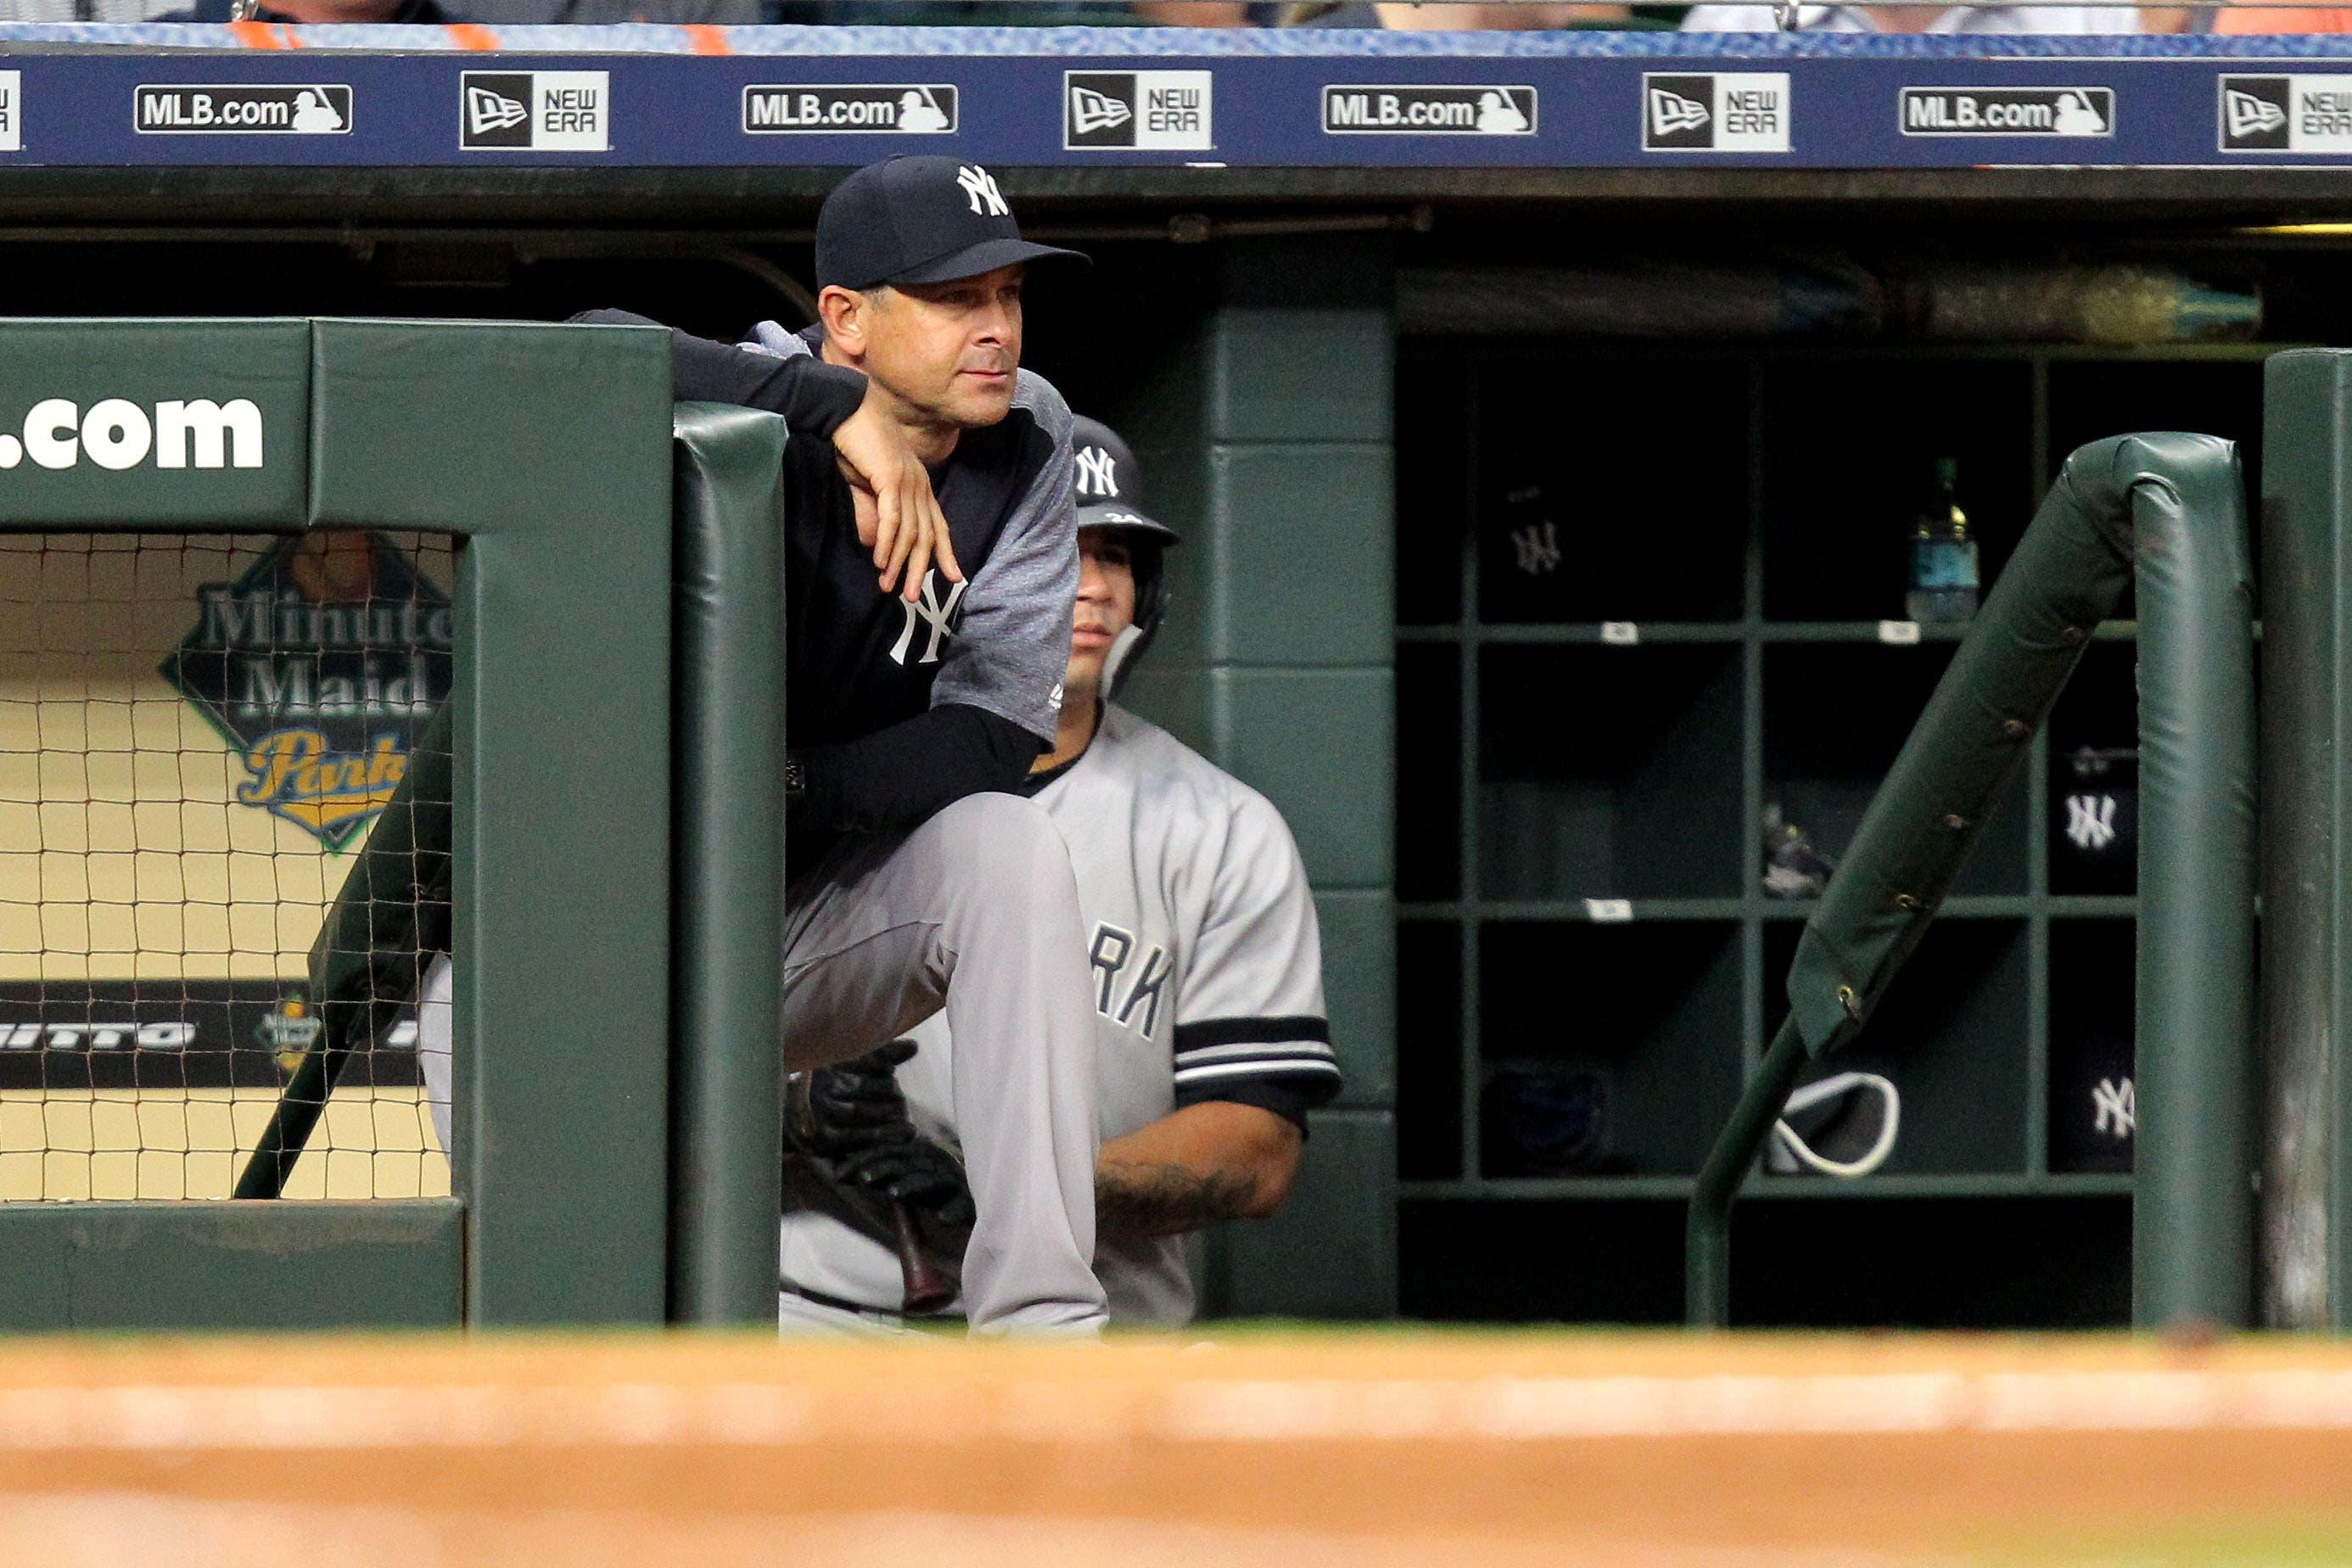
1943, 557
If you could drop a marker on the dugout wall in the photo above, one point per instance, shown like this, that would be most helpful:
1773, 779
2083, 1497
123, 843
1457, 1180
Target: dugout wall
544, 453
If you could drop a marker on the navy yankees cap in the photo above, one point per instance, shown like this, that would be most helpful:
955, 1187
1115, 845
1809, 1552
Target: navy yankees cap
920, 220
1110, 484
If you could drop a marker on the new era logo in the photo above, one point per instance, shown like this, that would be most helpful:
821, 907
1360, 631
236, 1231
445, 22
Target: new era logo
1727, 111
2256, 113
2304, 114
2247, 115
1671, 114
1091, 112
488, 110
12, 112
1164, 109
540, 111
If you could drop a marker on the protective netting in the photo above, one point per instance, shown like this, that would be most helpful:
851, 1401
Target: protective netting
197, 735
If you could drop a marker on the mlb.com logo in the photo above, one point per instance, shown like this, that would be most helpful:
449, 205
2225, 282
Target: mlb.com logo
1729, 111
539, 111
1120, 110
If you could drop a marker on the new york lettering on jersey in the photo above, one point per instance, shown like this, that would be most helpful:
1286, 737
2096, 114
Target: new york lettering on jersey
1131, 976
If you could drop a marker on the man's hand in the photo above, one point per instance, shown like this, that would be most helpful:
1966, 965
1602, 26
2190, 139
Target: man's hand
852, 1107
898, 518
851, 1151
919, 1173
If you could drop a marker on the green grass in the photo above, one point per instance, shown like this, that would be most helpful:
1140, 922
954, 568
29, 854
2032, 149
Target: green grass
2304, 1542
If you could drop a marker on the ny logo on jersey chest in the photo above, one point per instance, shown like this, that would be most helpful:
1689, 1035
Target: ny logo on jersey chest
1117, 997
929, 610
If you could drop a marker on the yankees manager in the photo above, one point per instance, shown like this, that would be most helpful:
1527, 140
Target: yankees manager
916, 880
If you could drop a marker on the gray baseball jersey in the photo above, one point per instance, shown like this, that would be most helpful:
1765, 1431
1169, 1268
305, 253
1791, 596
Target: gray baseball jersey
1206, 981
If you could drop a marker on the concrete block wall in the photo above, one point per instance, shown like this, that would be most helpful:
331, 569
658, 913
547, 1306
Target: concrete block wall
1265, 434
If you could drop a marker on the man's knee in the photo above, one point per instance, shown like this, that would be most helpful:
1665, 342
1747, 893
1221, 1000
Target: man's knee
1004, 848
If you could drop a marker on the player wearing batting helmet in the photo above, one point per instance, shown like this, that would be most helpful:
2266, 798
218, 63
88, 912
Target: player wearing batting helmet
918, 877
1205, 969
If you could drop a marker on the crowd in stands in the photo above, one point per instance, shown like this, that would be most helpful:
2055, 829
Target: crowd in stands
1396, 15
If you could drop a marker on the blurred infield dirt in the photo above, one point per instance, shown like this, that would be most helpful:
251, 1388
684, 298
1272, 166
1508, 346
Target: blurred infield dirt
1301, 1449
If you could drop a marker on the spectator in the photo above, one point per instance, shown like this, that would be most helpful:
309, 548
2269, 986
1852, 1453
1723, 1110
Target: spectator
2282, 19
1408, 18
2076, 19
317, 11
497, 13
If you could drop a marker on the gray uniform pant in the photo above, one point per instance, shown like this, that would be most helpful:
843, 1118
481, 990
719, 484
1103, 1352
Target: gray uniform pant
975, 911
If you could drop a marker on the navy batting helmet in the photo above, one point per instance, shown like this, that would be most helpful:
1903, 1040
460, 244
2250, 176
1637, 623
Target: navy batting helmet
1110, 496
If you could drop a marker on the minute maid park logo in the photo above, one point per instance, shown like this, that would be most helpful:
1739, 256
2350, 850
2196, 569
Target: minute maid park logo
319, 665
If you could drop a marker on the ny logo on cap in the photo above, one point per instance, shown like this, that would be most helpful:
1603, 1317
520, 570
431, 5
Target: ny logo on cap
1097, 473
980, 186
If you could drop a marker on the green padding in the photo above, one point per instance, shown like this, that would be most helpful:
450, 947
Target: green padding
728, 1067
238, 464
2306, 737
549, 449
482, 428
2172, 507
160, 1265
2068, 574
2192, 1209
1331, 1252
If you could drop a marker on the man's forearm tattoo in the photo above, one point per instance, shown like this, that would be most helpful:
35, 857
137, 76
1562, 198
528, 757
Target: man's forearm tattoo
1134, 1199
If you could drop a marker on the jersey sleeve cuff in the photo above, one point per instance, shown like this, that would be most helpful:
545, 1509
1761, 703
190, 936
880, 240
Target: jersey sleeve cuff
1282, 1063
1289, 1097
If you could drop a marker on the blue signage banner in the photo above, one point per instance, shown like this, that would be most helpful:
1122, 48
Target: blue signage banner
663, 97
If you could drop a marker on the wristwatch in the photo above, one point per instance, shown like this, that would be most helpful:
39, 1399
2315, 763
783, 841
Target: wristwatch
795, 782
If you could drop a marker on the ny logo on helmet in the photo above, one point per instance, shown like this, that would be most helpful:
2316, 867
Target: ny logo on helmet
980, 187
1097, 473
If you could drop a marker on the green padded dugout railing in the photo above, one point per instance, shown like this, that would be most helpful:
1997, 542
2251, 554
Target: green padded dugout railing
728, 1168
2169, 510
546, 450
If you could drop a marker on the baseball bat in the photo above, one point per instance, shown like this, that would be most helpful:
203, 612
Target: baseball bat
928, 1290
